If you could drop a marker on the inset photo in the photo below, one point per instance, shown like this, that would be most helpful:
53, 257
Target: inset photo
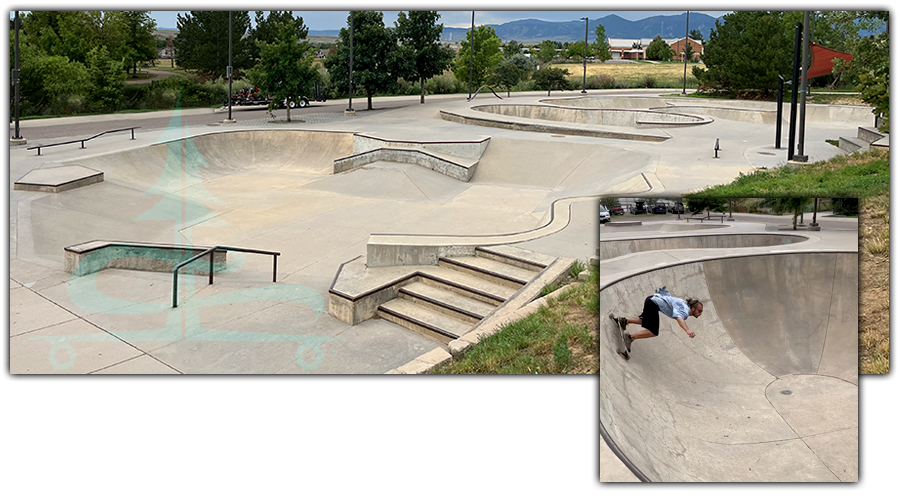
728, 340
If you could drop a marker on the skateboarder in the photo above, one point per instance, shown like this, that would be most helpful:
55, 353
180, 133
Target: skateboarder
661, 302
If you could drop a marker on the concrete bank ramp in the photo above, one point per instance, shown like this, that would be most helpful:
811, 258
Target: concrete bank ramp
766, 391
217, 154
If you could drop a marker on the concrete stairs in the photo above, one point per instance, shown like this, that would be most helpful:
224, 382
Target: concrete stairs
450, 299
866, 138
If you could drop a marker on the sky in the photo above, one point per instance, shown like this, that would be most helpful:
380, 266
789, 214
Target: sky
335, 20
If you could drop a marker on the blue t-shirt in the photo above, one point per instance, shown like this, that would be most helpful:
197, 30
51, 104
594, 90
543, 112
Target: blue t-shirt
672, 307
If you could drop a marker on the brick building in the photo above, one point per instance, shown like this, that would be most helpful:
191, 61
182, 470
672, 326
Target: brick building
634, 49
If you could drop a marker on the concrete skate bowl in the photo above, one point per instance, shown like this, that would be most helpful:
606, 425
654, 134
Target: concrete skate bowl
662, 228
214, 155
610, 249
766, 391
594, 116
734, 110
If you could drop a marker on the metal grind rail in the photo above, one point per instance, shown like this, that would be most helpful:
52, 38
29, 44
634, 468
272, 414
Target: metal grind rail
82, 141
212, 262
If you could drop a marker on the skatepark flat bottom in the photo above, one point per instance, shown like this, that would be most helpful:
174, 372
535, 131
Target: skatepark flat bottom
766, 391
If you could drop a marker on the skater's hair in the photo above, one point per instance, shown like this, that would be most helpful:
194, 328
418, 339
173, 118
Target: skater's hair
692, 303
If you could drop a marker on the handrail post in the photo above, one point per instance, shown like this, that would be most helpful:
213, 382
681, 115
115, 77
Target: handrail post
211, 260
274, 268
82, 144
175, 289
132, 133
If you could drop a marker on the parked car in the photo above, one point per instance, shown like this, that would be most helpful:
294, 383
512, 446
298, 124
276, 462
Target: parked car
638, 208
659, 209
677, 208
604, 214
617, 211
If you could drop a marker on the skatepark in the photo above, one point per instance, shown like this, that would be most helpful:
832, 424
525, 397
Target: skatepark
767, 390
357, 207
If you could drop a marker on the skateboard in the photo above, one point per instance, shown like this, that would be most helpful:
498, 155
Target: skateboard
620, 339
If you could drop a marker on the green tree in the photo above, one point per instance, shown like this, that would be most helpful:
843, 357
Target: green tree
106, 80
551, 78
695, 34
512, 48
546, 51
202, 42
421, 54
487, 56
576, 51
659, 50
265, 29
285, 63
507, 74
600, 48
747, 52
688, 51
870, 66
375, 63
139, 43
699, 204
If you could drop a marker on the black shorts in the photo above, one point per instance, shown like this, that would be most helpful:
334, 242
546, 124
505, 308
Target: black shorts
650, 316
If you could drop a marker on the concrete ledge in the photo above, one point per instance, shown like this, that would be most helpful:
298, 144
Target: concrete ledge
463, 149
58, 179
624, 223
423, 363
453, 169
92, 256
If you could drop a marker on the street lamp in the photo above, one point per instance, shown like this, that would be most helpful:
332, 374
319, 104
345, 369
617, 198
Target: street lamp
350, 103
687, 23
230, 69
17, 139
584, 62
471, 55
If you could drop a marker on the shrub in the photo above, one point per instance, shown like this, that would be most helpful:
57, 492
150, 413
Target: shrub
601, 82
648, 82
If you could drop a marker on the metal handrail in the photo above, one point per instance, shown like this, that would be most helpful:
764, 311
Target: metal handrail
212, 261
479, 90
82, 141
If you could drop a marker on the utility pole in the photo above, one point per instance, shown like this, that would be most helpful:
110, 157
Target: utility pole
584, 62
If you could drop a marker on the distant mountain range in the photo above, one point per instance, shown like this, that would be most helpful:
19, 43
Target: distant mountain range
534, 30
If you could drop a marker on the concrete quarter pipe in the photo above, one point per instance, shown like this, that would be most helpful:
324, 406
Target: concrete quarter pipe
766, 391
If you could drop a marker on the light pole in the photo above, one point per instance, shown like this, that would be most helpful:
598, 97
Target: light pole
584, 62
350, 102
17, 139
804, 85
230, 69
686, 28
471, 55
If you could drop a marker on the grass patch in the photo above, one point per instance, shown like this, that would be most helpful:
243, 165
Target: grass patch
561, 337
638, 74
859, 175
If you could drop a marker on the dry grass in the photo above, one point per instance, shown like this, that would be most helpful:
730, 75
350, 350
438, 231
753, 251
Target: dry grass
664, 73
874, 286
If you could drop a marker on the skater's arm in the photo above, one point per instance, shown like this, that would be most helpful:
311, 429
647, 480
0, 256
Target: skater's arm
684, 327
